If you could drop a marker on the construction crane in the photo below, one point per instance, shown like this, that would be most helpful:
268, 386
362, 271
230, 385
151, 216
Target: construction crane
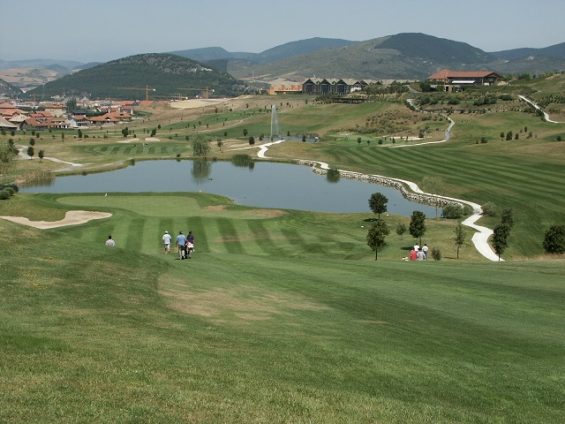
147, 89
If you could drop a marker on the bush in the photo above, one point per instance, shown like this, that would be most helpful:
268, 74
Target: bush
436, 254
333, 175
554, 241
401, 229
489, 209
4, 194
452, 211
12, 187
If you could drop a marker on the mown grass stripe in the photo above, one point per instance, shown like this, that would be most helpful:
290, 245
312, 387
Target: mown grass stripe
262, 238
196, 225
134, 237
230, 236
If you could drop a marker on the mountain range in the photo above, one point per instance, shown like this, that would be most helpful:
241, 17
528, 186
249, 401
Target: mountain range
400, 56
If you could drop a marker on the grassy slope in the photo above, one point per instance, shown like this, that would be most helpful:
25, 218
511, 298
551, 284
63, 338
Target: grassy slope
525, 175
269, 322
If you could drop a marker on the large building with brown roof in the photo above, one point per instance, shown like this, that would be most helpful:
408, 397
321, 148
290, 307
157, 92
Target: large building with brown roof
450, 78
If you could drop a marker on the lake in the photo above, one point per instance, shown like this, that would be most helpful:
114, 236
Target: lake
263, 184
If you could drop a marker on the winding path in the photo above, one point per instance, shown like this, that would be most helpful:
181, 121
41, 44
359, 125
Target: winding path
539, 109
482, 234
70, 165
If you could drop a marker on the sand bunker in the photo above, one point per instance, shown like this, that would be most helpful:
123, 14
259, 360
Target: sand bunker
197, 103
71, 218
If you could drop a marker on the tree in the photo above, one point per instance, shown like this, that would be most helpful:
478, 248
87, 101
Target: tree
377, 203
245, 132
125, 132
459, 238
79, 133
41, 154
417, 226
554, 240
506, 218
200, 147
153, 132
30, 152
400, 229
500, 239
71, 105
251, 140
376, 236
220, 143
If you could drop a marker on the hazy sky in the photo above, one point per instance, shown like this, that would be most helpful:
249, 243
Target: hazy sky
101, 30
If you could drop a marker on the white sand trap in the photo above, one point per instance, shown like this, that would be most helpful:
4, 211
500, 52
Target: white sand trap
129, 140
71, 218
152, 139
197, 103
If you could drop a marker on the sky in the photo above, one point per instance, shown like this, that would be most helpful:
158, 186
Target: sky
102, 30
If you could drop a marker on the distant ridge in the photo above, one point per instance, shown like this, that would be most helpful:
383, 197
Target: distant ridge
287, 50
158, 74
403, 56
8, 90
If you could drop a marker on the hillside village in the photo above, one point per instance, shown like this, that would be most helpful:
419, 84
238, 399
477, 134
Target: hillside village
21, 115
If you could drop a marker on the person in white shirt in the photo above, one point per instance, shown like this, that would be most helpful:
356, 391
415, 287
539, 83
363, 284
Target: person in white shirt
167, 242
110, 242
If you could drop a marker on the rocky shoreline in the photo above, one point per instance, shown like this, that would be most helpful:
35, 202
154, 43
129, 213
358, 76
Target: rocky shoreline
423, 198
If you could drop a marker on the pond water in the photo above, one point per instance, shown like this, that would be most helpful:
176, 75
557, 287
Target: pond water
262, 184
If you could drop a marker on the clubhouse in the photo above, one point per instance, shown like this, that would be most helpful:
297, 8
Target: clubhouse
456, 80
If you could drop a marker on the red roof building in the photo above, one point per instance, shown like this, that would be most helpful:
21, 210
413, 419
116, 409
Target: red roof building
464, 78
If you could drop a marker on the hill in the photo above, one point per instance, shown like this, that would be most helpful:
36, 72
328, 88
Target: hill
166, 75
8, 90
284, 51
271, 321
401, 56
556, 51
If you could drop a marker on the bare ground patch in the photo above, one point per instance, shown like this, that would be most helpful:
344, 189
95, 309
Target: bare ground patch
216, 208
242, 303
71, 218
251, 213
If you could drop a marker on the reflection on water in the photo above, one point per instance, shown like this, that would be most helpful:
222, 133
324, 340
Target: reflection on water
270, 185
201, 170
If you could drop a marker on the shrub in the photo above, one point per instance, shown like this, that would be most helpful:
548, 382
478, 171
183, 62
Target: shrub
10, 188
333, 175
489, 209
559, 138
4, 194
436, 254
554, 241
400, 229
452, 211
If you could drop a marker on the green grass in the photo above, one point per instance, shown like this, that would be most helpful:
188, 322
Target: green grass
524, 175
279, 317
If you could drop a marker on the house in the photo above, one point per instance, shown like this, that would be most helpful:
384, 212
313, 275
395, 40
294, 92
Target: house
6, 125
332, 87
459, 79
